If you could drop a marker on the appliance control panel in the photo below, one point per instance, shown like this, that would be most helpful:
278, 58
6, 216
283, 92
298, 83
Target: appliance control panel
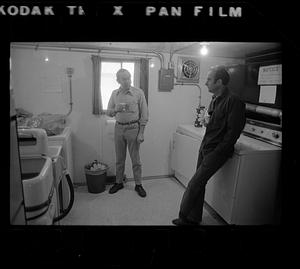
268, 133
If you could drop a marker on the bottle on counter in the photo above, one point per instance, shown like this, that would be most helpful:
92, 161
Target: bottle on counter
199, 122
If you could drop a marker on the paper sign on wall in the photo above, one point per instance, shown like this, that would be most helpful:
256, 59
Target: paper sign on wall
267, 94
271, 74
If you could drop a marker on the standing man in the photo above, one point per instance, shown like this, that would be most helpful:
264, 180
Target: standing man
128, 105
223, 127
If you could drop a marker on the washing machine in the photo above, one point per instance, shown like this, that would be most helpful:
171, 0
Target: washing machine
40, 196
245, 190
65, 141
61, 176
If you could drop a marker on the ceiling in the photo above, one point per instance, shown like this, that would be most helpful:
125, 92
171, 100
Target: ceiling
216, 49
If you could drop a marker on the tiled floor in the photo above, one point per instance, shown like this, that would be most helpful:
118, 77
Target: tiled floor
126, 208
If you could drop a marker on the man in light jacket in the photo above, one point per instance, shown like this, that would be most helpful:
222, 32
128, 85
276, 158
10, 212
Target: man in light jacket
128, 105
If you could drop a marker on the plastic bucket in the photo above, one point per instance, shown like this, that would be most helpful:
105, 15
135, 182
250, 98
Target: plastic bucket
96, 180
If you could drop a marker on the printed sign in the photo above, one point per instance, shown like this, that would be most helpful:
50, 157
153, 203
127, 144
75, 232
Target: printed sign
271, 74
267, 94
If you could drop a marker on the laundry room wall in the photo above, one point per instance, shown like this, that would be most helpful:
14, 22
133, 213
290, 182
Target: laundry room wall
169, 109
34, 82
41, 86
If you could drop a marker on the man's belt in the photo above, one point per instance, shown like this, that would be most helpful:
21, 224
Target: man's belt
127, 123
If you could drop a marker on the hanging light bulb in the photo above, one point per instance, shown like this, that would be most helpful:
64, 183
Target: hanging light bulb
204, 50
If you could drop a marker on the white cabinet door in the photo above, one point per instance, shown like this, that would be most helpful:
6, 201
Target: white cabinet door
185, 156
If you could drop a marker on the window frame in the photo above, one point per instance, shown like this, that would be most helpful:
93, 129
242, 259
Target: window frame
135, 79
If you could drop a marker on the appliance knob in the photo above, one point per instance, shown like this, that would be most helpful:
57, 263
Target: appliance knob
275, 135
252, 129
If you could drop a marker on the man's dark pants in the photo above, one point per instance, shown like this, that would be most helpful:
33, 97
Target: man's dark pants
193, 198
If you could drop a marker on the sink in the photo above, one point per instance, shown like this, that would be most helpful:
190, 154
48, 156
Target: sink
37, 173
61, 137
58, 164
37, 179
54, 151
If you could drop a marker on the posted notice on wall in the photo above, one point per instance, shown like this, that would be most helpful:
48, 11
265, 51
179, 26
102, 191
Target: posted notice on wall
271, 74
267, 94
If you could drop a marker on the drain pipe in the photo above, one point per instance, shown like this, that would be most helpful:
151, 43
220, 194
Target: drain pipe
70, 72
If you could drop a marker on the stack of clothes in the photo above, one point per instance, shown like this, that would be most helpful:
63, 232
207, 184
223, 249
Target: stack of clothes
53, 124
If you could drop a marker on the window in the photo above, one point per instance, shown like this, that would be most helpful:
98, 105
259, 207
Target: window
109, 68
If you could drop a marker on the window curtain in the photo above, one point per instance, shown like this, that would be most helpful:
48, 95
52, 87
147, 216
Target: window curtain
97, 101
144, 76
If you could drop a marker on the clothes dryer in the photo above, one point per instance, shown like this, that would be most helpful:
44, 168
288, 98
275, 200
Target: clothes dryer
243, 191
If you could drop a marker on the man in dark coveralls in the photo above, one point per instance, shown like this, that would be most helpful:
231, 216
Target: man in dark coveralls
224, 125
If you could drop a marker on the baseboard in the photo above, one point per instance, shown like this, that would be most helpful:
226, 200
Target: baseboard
79, 184
214, 214
112, 179
179, 182
157, 177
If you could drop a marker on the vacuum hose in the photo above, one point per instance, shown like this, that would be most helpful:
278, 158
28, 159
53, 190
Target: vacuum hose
67, 210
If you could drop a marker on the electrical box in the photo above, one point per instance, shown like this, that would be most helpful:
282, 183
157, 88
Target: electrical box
165, 79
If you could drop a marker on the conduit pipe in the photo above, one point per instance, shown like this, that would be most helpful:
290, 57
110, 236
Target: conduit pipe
192, 84
58, 47
188, 84
183, 48
69, 72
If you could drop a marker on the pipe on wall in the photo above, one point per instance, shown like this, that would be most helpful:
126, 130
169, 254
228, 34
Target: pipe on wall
179, 49
192, 84
55, 47
69, 72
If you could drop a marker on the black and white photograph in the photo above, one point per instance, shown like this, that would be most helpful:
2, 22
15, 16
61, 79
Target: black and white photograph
179, 126
67, 99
